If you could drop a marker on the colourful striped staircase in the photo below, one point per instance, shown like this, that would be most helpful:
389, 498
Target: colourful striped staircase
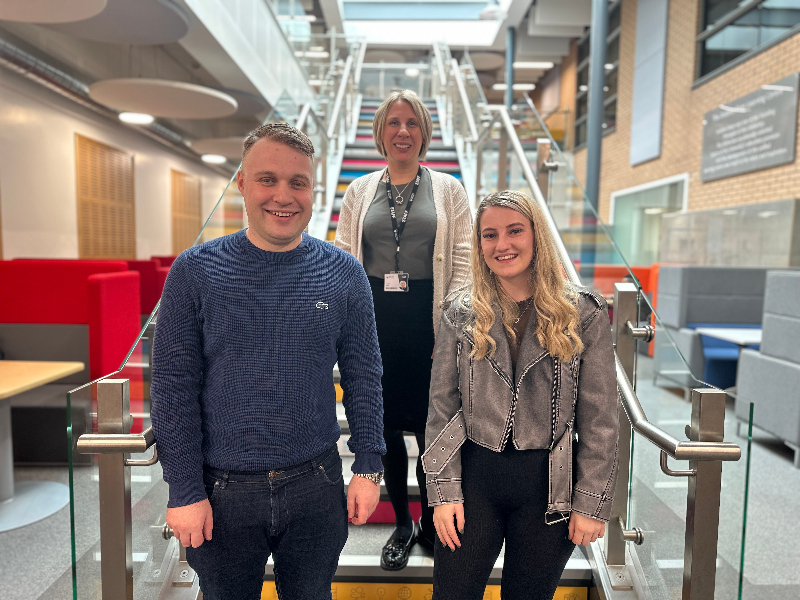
361, 157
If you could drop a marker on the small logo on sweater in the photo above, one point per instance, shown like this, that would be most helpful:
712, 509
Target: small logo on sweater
322, 305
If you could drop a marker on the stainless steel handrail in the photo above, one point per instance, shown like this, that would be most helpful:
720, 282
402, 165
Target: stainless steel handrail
359, 65
301, 120
116, 443
306, 113
462, 92
437, 52
337, 105
680, 450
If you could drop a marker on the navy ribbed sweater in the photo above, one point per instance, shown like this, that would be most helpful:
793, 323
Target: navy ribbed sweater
243, 358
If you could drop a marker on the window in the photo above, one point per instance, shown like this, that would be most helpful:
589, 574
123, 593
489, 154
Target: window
731, 28
610, 84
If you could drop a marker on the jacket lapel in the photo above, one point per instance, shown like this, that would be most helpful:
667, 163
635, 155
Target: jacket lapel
530, 351
501, 360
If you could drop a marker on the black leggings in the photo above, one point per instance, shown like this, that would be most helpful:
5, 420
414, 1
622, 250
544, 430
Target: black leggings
505, 498
395, 464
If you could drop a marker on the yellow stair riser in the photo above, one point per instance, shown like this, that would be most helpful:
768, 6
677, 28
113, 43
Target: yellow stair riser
410, 591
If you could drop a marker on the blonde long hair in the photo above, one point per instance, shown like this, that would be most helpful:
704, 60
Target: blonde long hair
554, 299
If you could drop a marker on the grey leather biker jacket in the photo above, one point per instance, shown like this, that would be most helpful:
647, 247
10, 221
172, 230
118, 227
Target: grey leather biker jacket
544, 406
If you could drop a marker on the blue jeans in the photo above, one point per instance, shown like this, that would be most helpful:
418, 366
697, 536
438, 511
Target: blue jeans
298, 515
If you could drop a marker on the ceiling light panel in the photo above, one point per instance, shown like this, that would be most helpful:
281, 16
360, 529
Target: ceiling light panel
533, 65
163, 98
125, 22
50, 11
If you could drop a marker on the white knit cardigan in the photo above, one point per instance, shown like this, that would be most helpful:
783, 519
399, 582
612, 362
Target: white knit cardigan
451, 247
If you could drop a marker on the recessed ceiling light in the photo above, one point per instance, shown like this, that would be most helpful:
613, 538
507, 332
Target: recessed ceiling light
306, 18
655, 210
412, 72
136, 118
533, 65
315, 82
316, 48
499, 86
583, 88
609, 66
214, 159
312, 54
523, 87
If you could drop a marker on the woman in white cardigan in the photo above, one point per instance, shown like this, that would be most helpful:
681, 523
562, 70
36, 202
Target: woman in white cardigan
414, 260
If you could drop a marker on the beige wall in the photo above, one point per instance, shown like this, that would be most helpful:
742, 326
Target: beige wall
38, 181
558, 121
684, 107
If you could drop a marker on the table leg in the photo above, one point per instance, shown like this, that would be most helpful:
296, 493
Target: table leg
32, 500
6, 453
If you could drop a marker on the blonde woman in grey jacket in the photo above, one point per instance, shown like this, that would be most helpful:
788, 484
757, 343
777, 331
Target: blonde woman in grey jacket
414, 259
522, 426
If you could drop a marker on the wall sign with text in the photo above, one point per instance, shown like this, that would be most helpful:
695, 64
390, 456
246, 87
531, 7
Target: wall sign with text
756, 131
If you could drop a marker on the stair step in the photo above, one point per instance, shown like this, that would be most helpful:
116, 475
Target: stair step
359, 563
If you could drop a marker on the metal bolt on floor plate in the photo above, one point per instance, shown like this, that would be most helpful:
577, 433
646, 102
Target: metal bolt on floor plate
183, 578
620, 578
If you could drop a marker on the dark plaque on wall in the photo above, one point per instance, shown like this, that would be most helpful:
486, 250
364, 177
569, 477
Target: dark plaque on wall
753, 132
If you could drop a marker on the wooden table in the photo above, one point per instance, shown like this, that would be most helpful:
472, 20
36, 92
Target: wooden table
33, 500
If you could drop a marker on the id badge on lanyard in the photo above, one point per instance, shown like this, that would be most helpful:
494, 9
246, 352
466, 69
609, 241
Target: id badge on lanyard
397, 280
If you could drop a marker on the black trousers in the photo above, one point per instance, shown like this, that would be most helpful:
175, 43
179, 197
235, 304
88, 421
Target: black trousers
505, 499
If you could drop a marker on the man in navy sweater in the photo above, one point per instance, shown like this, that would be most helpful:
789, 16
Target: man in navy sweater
244, 409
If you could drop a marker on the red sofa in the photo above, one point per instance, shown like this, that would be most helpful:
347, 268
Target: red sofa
104, 295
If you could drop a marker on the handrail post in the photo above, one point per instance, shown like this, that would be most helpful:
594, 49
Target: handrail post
626, 299
703, 499
116, 545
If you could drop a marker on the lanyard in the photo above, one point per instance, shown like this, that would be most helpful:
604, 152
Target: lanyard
398, 230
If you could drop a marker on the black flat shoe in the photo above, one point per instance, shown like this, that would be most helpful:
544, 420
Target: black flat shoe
425, 541
394, 555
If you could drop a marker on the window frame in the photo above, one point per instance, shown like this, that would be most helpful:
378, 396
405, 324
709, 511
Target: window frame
719, 25
584, 65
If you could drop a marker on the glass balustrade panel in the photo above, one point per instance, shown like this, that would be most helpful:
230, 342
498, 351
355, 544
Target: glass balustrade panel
378, 82
666, 369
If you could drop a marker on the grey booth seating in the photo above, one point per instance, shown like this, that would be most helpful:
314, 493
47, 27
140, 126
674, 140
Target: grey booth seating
690, 296
770, 377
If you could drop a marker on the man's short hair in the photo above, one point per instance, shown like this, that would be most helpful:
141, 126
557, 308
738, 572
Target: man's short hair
421, 112
283, 133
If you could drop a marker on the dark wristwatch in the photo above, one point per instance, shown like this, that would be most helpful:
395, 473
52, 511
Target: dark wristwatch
375, 478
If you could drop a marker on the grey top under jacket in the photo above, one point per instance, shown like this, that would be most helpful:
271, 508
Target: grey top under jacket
419, 235
569, 408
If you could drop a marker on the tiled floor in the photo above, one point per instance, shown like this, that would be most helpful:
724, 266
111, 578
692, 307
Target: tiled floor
35, 561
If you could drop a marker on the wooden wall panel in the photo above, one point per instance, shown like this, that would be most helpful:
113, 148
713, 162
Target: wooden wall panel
104, 175
186, 210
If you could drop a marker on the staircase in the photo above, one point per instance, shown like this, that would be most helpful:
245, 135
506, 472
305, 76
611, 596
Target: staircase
361, 157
